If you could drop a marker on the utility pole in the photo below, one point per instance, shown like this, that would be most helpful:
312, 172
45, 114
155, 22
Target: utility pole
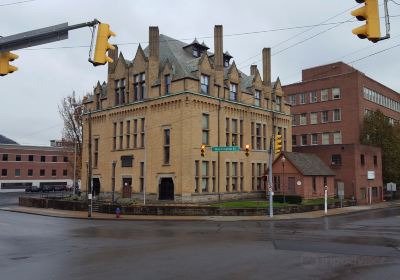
271, 193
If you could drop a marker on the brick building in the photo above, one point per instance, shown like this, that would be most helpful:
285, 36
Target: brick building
152, 115
22, 166
328, 109
302, 174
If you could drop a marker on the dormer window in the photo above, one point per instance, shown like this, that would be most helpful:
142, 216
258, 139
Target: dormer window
196, 48
227, 58
195, 52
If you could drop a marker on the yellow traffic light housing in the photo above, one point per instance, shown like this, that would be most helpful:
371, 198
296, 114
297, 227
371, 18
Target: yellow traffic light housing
370, 13
247, 150
278, 143
102, 45
5, 59
203, 150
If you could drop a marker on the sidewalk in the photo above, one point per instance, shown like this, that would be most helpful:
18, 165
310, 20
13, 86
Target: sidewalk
102, 216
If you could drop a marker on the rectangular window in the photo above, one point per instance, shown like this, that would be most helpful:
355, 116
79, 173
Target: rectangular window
206, 129
17, 157
258, 136
135, 133
4, 172
324, 116
257, 98
121, 135
375, 161
227, 132
167, 84
54, 159
336, 160
115, 136
120, 92
304, 139
324, 95
241, 177
142, 133
253, 177
233, 92
314, 139
292, 99
166, 145
336, 115
42, 172
196, 176
259, 176
43, 158
314, 118
136, 94
127, 161
17, 172
227, 177
277, 183
235, 132
337, 138
362, 160
65, 159
5, 157
96, 153
30, 157
204, 84
241, 133
325, 138
336, 93
252, 136
141, 176
314, 184
265, 137
214, 172
204, 176
302, 98
303, 119
143, 85
30, 172
234, 176
65, 172
53, 172
313, 97
128, 134
278, 103
294, 120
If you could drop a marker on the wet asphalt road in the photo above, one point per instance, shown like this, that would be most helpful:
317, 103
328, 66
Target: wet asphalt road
358, 246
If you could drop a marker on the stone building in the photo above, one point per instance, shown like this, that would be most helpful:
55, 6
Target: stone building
151, 117
328, 108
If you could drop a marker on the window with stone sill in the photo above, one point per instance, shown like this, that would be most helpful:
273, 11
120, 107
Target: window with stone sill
257, 98
204, 84
233, 92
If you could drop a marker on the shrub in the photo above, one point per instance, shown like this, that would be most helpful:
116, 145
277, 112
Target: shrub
291, 199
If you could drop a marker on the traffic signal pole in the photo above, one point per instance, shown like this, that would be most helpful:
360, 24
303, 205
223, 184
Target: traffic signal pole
271, 193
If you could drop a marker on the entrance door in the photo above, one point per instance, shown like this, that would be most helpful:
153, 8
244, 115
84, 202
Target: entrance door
96, 186
291, 185
166, 189
126, 187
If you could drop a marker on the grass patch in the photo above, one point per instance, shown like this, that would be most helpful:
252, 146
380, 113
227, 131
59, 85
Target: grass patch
247, 204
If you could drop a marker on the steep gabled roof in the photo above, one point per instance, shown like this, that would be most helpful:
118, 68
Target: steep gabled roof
308, 164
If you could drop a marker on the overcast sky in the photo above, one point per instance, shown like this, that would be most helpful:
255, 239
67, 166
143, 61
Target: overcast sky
29, 97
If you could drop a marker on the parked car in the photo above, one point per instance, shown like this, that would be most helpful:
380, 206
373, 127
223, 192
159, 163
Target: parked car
59, 188
46, 188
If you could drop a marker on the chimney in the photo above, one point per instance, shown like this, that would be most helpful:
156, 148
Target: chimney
253, 70
113, 54
154, 59
266, 58
218, 47
154, 42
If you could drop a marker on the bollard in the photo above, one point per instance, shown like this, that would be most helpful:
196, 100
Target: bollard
117, 212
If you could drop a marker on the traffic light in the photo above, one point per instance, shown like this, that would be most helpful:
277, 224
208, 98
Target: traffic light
278, 143
370, 13
247, 150
102, 45
5, 59
203, 150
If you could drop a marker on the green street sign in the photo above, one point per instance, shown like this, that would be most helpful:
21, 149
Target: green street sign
225, 149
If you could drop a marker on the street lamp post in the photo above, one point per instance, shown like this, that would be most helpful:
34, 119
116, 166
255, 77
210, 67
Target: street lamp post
89, 181
283, 159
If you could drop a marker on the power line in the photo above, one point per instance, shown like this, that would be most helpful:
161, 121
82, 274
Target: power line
16, 3
375, 53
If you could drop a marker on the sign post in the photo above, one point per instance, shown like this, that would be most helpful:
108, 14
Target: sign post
326, 200
225, 149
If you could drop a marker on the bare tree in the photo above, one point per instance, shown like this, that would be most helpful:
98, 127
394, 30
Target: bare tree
71, 110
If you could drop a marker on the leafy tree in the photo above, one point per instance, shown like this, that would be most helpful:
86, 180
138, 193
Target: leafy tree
71, 111
378, 131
